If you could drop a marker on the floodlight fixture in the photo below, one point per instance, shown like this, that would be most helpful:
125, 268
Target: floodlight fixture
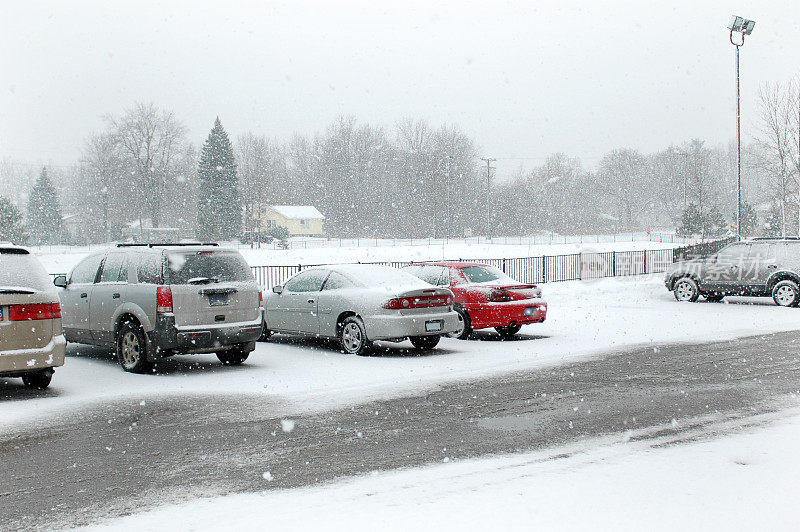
741, 25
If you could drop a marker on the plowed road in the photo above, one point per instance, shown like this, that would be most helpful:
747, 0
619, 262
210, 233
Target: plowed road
116, 458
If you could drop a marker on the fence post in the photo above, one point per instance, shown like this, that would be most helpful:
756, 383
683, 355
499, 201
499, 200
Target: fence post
580, 266
645, 262
504, 265
613, 264
544, 269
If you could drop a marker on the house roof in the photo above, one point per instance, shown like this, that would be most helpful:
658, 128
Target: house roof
296, 212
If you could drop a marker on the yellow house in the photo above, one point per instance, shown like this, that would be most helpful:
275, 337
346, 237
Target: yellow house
300, 220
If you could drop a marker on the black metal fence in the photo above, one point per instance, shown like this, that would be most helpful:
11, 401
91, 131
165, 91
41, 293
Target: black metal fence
535, 270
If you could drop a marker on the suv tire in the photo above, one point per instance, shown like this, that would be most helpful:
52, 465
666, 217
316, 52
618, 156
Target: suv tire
132, 348
38, 380
685, 289
786, 294
233, 357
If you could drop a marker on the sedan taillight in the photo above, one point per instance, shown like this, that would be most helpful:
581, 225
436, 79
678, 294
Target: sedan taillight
498, 296
38, 311
419, 302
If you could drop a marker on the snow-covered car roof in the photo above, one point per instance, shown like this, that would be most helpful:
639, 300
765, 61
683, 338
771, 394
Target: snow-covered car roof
378, 275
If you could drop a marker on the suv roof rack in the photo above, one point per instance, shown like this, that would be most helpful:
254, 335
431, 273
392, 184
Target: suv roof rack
776, 238
166, 244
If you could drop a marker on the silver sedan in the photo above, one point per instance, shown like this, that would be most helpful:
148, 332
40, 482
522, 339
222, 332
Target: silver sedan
359, 303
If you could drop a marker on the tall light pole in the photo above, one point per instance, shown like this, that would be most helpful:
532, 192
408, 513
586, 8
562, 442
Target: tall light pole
743, 27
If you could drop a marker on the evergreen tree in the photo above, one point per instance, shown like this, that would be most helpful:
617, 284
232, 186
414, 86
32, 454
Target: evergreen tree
11, 228
44, 212
691, 221
219, 215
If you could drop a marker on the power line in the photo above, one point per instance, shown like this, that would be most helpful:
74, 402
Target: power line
489, 169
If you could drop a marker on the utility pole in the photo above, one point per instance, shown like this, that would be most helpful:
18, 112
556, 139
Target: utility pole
489, 168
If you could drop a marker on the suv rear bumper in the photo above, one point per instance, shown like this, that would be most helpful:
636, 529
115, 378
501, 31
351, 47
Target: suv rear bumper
21, 361
168, 339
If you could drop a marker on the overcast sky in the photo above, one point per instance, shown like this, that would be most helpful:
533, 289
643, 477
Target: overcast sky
524, 79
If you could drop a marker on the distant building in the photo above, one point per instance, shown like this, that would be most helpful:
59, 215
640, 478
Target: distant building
300, 220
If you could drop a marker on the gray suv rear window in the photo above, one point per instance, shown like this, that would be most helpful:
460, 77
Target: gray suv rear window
218, 265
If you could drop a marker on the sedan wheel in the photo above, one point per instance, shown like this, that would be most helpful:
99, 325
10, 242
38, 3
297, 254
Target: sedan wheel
352, 336
786, 294
508, 331
464, 325
425, 342
686, 289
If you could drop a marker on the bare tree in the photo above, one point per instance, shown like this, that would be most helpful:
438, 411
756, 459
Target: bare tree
774, 144
150, 140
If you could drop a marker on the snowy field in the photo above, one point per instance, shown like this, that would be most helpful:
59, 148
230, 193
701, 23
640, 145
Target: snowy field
60, 259
744, 481
584, 319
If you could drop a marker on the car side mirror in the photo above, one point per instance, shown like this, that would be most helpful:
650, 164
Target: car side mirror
277, 289
60, 281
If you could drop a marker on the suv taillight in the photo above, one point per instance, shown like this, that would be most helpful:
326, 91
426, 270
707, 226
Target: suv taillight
163, 300
260, 298
38, 311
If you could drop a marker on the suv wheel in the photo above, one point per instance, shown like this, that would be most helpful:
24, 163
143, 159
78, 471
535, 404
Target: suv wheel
132, 348
233, 357
425, 342
38, 380
786, 294
685, 289
353, 336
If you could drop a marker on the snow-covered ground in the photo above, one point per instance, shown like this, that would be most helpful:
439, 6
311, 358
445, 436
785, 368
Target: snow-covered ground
584, 319
744, 481
60, 259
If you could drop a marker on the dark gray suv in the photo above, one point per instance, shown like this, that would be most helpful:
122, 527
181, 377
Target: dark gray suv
152, 301
757, 267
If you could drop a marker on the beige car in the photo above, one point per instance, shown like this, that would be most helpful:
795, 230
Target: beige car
31, 340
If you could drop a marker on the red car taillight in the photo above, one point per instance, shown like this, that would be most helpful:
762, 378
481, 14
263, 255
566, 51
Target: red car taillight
498, 296
38, 311
260, 298
419, 302
163, 300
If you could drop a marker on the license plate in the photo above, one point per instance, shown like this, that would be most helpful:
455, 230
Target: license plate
1, 313
435, 325
217, 300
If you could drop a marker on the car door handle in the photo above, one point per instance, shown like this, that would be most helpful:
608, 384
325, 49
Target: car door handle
114, 296
772, 266
84, 295
311, 301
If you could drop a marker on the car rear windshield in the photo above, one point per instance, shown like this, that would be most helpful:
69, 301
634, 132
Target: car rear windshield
483, 274
19, 269
216, 266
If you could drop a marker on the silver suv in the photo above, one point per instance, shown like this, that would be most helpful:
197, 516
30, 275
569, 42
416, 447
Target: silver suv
757, 267
156, 300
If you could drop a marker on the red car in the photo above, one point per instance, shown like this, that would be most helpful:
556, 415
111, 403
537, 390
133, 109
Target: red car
485, 296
